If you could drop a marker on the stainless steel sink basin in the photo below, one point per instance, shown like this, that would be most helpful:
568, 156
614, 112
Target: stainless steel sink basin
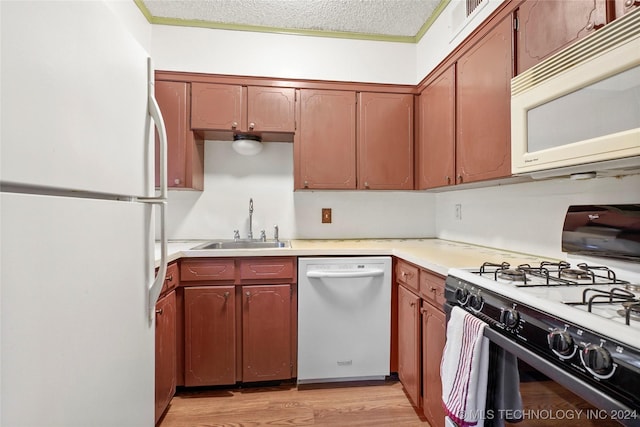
242, 244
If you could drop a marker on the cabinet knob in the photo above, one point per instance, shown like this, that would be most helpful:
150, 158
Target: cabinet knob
226, 295
448, 178
412, 304
169, 278
306, 184
176, 181
159, 312
432, 289
459, 179
252, 126
629, 3
234, 125
590, 26
366, 184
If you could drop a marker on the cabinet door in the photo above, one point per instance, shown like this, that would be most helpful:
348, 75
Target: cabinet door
409, 343
483, 100
165, 352
436, 132
434, 326
266, 333
622, 7
325, 143
185, 150
210, 335
271, 109
547, 26
217, 106
385, 141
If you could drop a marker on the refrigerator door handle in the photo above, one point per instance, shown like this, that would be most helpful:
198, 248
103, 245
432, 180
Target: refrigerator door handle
161, 199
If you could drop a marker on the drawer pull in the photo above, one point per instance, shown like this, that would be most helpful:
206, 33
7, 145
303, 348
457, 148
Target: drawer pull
159, 312
226, 296
169, 278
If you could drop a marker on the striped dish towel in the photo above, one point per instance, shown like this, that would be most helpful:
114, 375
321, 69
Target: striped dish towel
464, 369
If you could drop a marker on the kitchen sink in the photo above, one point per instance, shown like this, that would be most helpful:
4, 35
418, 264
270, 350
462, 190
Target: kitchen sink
242, 244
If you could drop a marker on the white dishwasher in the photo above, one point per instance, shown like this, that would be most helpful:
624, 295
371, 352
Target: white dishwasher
344, 319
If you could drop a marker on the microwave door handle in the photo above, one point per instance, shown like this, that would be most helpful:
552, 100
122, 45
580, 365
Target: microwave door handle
160, 200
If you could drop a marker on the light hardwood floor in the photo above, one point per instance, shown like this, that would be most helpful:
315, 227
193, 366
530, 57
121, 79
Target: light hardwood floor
380, 404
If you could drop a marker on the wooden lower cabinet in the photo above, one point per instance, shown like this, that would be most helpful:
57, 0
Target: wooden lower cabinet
238, 333
165, 352
266, 333
210, 335
409, 343
434, 330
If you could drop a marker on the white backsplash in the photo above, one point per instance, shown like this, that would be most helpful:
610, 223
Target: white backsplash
231, 180
526, 217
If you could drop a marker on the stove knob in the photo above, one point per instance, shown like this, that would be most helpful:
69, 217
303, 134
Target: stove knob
476, 302
597, 360
561, 342
510, 317
462, 295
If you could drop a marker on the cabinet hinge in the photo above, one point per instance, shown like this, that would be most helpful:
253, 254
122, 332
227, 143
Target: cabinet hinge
516, 24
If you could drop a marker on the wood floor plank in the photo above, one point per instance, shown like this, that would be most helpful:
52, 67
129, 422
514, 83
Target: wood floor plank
364, 404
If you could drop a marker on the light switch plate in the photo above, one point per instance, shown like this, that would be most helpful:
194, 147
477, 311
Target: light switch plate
326, 215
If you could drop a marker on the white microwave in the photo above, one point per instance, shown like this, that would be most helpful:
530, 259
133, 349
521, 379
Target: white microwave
579, 110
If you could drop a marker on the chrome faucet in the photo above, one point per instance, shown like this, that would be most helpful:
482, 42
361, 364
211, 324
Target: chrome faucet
250, 236
275, 232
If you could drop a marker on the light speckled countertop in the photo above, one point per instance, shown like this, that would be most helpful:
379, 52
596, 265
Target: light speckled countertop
433, 254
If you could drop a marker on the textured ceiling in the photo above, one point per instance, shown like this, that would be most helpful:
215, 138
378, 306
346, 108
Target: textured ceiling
404, 20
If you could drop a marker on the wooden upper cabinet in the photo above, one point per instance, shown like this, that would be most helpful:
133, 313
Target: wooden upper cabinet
435, 144
547, 26
483, 101
217, 106
266, 333
271, 109
185, 149
244, 109
325, 143
622, 7
210, 335
385, 141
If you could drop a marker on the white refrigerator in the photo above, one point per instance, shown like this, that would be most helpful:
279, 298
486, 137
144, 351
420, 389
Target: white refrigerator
77, 214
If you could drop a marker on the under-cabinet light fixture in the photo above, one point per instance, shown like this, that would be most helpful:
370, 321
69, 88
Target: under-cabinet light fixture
247, 145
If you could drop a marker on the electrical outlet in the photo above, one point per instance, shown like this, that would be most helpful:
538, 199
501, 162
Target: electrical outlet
326, 215
459, 212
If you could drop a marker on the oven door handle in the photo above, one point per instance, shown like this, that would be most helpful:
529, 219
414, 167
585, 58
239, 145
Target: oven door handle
555, 372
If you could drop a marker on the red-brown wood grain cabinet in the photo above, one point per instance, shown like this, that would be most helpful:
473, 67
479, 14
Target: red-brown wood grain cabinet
240, 319
385, 141
483, 100
185, 149
622, 7
226, 107
325, 143
545, 27
165, 342
436, 132
409, 339
210, 335
266, 332
434, 325
165, 354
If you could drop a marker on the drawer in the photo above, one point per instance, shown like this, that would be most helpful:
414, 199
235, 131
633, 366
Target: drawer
208, 269
407, 274
266, 268
432, 287
172, 278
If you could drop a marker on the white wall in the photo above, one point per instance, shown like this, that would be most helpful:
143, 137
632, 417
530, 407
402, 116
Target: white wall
526, 217
231, 180
440, 39
133, 20
279, 55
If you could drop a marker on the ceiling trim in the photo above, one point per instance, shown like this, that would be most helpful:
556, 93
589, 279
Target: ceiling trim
156, 20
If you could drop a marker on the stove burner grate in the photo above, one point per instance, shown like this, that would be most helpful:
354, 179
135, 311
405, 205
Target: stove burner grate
629, 301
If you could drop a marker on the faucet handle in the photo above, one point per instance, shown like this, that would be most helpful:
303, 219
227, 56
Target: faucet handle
275, 232
236, 235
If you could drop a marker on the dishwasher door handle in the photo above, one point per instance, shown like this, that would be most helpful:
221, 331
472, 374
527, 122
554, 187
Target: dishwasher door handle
320, 274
